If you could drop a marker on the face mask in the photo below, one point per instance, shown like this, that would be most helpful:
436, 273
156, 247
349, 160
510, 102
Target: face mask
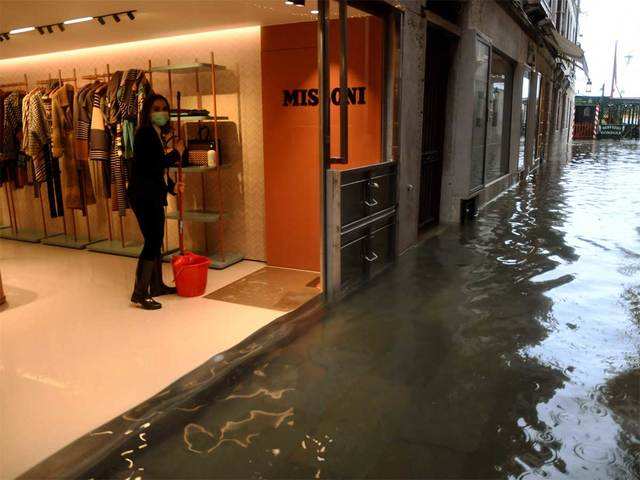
160, 118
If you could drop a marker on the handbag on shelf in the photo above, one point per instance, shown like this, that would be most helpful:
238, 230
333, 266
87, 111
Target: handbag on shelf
197, 149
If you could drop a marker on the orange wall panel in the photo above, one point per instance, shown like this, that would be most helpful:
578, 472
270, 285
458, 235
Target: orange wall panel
291, 161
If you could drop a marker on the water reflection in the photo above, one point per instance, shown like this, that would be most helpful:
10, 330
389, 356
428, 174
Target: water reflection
507, 348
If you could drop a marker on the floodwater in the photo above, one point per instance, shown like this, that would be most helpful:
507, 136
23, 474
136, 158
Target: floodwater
506, 348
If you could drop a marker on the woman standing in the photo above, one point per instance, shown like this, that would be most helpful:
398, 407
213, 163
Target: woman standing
147, 194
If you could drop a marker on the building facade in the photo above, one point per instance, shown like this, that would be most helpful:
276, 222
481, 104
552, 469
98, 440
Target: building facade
496, 100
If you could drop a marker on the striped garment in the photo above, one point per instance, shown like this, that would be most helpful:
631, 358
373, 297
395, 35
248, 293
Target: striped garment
99, 141
37, 134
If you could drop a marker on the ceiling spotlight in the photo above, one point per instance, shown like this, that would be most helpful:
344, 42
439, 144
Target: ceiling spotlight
6, 36
21, 30
50, 28
116, 18
130, 15
77, 20
101, 20
40, 30
61, 27
298, 3
1, 38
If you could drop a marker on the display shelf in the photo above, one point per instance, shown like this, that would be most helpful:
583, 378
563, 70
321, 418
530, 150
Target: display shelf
217, 261
68, 241
198, 169
186, 68
195, 118
201, 216
31, 236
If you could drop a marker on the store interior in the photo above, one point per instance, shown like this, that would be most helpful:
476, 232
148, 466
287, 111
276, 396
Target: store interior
69, 333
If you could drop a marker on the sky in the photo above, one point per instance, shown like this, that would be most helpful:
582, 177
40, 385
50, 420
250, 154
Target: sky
602, 22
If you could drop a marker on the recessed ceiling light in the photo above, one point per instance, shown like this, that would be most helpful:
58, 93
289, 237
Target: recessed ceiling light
314, 12
77, 20
22, 30
288, 2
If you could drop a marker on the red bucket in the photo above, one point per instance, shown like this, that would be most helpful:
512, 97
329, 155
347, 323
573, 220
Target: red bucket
190, 273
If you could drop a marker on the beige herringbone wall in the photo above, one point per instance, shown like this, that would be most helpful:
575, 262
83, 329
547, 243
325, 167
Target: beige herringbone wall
239, 98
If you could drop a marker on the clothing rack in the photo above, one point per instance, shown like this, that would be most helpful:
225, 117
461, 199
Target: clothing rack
15, 232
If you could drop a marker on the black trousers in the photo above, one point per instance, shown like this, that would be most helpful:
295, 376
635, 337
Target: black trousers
151, 220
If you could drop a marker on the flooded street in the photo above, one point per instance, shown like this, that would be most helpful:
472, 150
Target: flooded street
505, 348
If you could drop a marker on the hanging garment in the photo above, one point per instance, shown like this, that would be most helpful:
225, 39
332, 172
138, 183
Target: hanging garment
37, 133
54, 184
99, 140
78, 185
3, 167
15, 165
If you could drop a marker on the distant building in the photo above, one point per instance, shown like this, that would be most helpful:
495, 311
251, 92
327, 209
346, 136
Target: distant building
606, 117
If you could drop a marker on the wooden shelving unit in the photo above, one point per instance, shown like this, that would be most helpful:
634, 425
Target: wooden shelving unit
221, 258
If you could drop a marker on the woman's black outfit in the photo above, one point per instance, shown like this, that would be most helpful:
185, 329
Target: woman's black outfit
147, 194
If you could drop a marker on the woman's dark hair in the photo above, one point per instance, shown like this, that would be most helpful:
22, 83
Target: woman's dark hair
145, 114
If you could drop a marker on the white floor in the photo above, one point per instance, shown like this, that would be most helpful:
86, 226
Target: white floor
74, 353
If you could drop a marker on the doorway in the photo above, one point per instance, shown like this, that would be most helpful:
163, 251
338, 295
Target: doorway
439, 57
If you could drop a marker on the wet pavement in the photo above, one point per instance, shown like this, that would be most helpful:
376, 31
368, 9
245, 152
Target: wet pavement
506, 348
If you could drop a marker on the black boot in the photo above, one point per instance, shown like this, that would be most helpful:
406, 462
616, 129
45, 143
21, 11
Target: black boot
141, 289
157, 286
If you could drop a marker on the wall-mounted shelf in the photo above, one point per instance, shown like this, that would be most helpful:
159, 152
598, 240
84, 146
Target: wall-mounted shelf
199, 169
200, 216
195, 118
202, 213
186, 68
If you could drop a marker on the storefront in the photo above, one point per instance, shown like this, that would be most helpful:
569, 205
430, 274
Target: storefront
301, 100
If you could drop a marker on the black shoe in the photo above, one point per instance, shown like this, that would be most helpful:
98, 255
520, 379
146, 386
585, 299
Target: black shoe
141, 294
147, 303
157, 286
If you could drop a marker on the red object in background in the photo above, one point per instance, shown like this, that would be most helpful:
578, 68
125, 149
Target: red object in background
190, 273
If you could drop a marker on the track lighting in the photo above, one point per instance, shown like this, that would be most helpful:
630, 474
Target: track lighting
77, 20
61, 25
21, 30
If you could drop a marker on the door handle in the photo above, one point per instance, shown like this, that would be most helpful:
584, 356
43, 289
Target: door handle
373, 203
371, 257
373, 184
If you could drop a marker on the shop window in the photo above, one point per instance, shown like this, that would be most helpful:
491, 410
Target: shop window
524, 109
497, 156
492, 115
478, 133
